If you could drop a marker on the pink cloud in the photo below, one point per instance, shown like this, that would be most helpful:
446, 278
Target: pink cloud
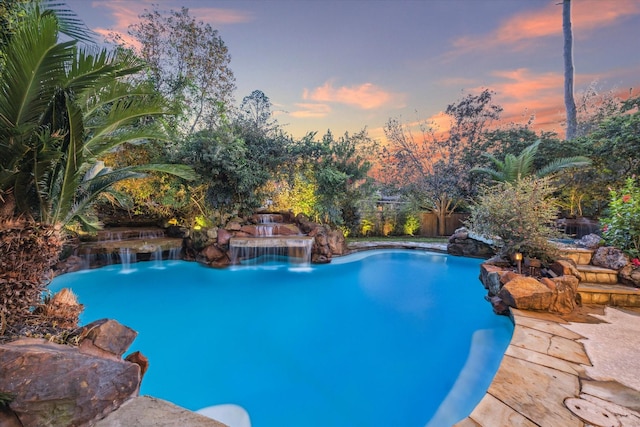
310, 110
366, 96
126, 13
524, 27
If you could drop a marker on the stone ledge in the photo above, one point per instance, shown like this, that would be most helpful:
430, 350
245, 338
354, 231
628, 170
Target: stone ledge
146, 411
595, 269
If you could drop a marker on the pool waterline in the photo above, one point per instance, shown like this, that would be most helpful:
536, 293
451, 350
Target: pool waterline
238, 313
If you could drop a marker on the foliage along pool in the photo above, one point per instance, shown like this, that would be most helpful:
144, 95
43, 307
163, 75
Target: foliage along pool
376, 338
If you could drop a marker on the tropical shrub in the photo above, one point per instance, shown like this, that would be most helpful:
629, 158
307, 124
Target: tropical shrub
519, 216
61, 108
621, 228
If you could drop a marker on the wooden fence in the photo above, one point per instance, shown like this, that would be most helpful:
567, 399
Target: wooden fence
429, 223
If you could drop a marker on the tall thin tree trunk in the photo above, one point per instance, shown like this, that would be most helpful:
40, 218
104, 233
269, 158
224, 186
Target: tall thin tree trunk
569, 102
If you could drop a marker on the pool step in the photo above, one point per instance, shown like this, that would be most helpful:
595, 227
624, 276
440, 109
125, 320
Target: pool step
609, 294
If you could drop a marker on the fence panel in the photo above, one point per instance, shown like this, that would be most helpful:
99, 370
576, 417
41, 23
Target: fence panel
429, 223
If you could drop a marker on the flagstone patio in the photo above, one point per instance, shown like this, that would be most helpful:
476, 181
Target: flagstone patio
576, 370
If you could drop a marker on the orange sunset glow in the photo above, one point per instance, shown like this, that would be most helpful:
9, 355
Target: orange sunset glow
345, 66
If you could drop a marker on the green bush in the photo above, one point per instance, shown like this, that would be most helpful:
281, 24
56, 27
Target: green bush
411, 225
519, 216
621, 228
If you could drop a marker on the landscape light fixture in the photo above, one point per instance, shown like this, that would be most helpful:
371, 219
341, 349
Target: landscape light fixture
518, 259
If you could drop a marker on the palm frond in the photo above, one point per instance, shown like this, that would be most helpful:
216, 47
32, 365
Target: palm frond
181, 171
34, 70
563, 163
68, 21
495, 175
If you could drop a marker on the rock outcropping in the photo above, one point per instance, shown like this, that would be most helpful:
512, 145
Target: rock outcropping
212, 246
53, 385
464, 243
507, 288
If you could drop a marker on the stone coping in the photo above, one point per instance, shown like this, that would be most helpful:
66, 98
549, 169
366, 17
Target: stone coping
548, 378
395, 244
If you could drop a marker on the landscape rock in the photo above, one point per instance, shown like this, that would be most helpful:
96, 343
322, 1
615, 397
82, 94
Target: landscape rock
212, 253
336, 242
630, 275
590, 241
145, 411
490, 277
69, 265
609, 257
223, 237
57, 385
526, 293
461, 243
140, 360
563, 267
233, 226
460, 234
106, 338
564, 294
212, 233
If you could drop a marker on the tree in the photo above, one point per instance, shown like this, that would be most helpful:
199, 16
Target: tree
255, 112
61, 108
189, 64
569, 102
519, 215
327, 178
513, 168
434, 168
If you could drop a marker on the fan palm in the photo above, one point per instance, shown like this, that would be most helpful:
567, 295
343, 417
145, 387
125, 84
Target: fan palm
513, 168
61, 108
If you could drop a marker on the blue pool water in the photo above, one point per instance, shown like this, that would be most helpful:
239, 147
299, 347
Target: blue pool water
380, 338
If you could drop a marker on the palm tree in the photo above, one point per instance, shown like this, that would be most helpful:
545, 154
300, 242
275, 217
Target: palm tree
62, 107
513, 168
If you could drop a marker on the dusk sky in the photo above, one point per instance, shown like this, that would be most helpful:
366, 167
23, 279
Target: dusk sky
346, 64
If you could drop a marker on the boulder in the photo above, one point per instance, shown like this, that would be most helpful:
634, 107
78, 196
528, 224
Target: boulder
565, 289
526, 293
490, 277
609, 257
212, 234
462, 243
140, 360
211, 253
590, 241
499, 307
223, 237
69, 265
460, 234
630, 275
57, 385
234, 225
336, 242
563, 267
106, 338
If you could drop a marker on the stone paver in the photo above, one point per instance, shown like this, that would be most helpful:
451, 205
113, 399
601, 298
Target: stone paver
575, 370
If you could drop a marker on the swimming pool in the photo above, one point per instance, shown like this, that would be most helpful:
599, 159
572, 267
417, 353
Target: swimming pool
377, 338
